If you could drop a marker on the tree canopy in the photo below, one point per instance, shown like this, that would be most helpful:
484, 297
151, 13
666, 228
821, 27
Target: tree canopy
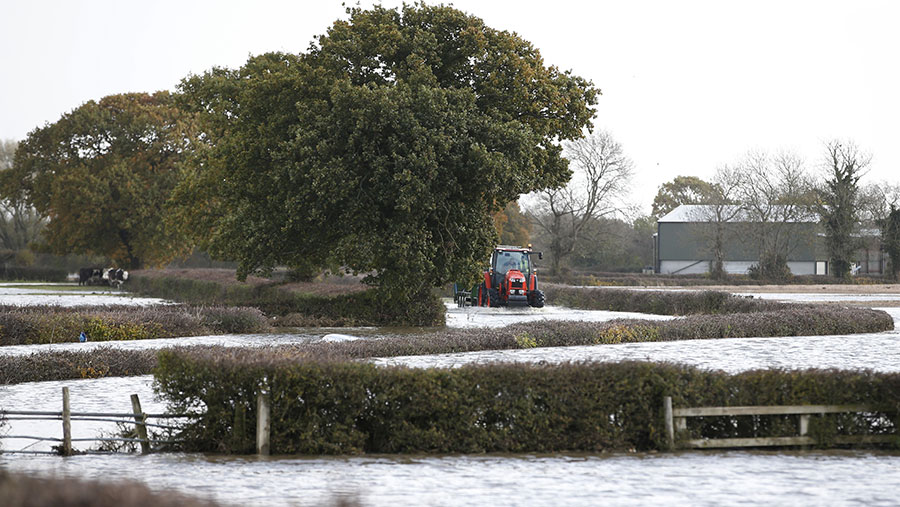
681, 190
385, 149
838, 205
102, 175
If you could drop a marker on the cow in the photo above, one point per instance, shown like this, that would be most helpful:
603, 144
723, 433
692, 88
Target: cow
115, 277
90, 276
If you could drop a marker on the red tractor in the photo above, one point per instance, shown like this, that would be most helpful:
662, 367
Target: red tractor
512, 280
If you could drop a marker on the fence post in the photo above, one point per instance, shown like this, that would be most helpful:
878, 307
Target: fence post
140, 428
66, 424
804, 425
263, 426
670, 425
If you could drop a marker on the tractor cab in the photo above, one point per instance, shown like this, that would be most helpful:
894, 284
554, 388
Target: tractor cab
511, 280
504, 261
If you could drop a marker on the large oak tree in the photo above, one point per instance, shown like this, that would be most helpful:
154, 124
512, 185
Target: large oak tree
102, 174
384, 149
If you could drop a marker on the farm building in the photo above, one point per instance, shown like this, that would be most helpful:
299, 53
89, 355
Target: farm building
685, 238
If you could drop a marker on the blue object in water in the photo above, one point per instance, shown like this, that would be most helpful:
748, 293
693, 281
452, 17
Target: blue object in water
82, 337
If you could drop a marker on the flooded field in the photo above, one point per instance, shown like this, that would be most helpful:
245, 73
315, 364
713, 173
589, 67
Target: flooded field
67, 294
696, 478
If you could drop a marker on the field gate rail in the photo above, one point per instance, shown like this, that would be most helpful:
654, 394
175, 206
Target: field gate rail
136, 417
676, 422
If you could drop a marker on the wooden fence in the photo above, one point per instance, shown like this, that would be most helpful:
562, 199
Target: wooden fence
137, 417
676, 424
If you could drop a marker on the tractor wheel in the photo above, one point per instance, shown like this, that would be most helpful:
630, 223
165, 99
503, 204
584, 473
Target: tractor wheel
537, 299
494, 298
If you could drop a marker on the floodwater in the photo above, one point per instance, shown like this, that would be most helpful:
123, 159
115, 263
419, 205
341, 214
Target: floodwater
696, 478
60, 294
876, 351
476, 316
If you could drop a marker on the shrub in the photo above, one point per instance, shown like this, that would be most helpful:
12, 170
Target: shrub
54, 324
64, 365
36, 274
366, 308
339, 408
234, 320
658, 302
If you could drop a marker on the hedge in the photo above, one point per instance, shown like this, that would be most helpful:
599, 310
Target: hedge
25, 325
72, 364
296, 309
33, 274
795, 321
660, 302
347, 408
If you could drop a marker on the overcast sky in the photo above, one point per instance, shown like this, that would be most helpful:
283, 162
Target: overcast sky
687, 85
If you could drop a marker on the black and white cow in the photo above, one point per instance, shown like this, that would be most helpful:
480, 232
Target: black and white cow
115, 277
90, 276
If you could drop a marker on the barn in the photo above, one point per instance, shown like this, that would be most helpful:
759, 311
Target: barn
684, 242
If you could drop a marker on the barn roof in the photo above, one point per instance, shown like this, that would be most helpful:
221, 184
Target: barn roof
695, 213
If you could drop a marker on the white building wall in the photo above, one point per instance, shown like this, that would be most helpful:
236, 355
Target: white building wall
683, 267
695, 267
802, 267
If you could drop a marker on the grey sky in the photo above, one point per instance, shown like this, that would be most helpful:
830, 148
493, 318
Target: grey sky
687, 85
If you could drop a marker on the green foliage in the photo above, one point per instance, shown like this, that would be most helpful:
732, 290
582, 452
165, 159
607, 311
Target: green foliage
681, 190
771, 267
368, 308
102, 174
838, 205
384, 149
341, 408
42, 274
891, 235
526, 341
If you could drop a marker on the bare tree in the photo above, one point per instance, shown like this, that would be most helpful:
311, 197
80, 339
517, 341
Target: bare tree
601, 173
875, 201
718, 216
775, 193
